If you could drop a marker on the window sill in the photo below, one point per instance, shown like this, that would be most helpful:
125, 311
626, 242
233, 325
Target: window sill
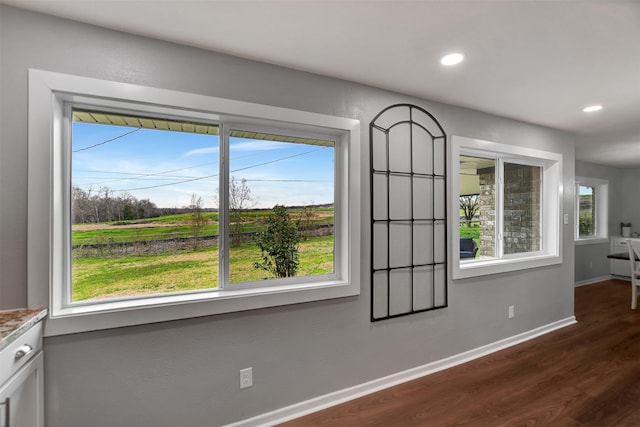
114, 314
466, 270
591, 241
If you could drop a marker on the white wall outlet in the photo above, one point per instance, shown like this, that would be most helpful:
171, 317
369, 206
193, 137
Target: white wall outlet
246, 378
512, 311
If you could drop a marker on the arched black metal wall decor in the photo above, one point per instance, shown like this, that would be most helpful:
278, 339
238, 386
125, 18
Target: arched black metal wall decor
408, 212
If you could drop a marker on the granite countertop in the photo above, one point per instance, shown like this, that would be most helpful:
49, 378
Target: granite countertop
14, 323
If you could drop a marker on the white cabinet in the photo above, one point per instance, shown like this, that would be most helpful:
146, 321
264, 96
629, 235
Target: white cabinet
619, 245
620, 267
21, 381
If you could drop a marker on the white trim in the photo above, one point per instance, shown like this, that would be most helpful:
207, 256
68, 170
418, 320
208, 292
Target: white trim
596, 280
591, 241
331, 399
46, 264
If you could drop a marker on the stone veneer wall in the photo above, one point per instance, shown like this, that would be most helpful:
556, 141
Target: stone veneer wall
521, 209
487, 201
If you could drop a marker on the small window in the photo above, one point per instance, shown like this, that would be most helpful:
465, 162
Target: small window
507, 200
591, 207
586, 211
483, 197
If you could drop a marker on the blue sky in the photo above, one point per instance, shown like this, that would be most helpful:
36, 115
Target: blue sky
585, 190
168, 167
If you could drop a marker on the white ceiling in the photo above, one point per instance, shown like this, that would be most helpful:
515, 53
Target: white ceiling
536, 61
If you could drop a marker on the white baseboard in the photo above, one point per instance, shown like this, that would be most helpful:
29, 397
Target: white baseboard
322, 402
596, 280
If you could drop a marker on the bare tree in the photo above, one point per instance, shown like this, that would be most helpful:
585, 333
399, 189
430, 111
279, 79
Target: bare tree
469, 206
240, 199
107, 202
80, 208
197, 220
88, 206
309, 217
95, 204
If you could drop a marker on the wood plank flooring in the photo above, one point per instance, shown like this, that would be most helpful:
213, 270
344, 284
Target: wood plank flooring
586, 374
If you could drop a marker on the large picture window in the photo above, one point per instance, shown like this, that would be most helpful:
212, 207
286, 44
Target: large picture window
145, 212
177, 205
507, 200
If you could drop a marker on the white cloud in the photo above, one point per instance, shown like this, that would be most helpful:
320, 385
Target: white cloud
198, 151
255, 145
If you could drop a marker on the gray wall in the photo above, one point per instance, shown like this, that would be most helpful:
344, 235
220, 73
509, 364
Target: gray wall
630, 194
185, 373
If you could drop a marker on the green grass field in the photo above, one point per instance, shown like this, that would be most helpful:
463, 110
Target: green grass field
94, 278
473, 232
101, 268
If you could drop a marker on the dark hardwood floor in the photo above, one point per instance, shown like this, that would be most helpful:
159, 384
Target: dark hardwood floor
587, 374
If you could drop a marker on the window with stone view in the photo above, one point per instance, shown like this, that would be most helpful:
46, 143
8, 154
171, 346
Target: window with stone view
508, 202
508, 197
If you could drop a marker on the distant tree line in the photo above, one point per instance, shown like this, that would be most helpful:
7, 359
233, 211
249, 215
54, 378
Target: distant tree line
103, 205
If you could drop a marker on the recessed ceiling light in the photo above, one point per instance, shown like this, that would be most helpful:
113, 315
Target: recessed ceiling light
592, 108
452, 59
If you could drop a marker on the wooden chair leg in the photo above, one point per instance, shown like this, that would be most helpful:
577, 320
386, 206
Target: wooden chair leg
634, 296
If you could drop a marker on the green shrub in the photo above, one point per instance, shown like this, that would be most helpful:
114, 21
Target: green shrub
279, 244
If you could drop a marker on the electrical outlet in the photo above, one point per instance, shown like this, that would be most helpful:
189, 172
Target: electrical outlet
246, 378
512, 311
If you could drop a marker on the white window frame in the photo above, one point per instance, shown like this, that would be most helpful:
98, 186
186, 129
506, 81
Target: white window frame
48, 228
601, 187
551, 211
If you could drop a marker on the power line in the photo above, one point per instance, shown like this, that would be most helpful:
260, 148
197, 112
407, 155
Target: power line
108, 140
217, 174
144, 175
170, 183
278, 160
134, 175
141, 179
288, 180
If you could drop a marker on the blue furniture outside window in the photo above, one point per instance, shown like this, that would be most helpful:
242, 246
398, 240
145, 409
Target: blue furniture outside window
468, 248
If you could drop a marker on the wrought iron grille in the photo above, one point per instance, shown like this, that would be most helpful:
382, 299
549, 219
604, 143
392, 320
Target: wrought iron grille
408, 212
